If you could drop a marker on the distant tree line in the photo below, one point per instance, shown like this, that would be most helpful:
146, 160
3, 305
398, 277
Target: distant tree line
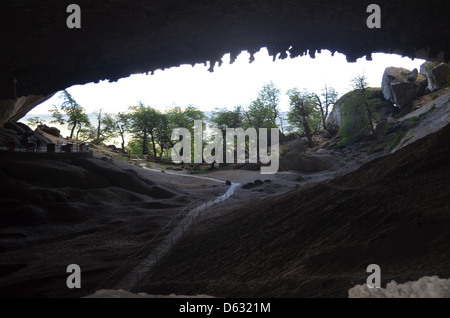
148, 130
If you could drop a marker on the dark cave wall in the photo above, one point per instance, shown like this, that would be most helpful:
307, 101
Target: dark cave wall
40, 55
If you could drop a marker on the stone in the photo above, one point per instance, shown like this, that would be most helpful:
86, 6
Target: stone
258, 182
383, 109
413, 75
17, 128
397, 87
425, 287
228, 182
12, 110
42, 139
49, 130
438, 74
248, 185
7, 138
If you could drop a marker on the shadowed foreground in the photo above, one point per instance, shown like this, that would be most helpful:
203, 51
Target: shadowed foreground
317, 241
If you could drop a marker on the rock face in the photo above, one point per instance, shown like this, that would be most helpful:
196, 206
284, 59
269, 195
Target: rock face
401, 86
437, 74
426, 287
20, 134
49, 130
383, 111
307, 163
13, 109
146, 35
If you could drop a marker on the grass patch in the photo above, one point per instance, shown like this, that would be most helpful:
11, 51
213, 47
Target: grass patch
396, 140
432, 108
376, 149
435, 96
413, 119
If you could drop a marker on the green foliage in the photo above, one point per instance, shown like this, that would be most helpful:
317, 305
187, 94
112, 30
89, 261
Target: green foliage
106, 128
376, 149
355, 120
413, 119
35, 121
263, 111
396, 140
144, 120
225, 118
304, 113
72, 114
135, 146
123, 123
179, 118
429, 111
357, 112
151, 130
435, 96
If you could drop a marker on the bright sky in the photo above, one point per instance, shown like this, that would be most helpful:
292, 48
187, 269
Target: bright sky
229, 85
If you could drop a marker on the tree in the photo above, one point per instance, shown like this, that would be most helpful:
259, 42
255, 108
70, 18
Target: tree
358, 108
35, 121
179, 118
163, 134
122, 121
264, 110
144, 120
225, 118
106, 127
360, 83
71, 113
327, 98
304, 113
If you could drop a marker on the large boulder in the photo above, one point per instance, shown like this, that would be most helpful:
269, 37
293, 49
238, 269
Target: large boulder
438, 75
384, 109
19, 134
49, 130
401, 86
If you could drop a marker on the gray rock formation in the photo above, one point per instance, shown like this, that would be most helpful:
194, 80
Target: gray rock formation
413, 75
49, 130
437, 74
307, 162
14, 109
18, 134
383, 110
399, 88
425, 287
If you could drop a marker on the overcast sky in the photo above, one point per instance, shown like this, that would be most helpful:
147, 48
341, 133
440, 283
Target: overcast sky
229, 85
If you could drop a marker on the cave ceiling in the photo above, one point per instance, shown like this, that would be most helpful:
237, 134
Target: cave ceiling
41, 55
